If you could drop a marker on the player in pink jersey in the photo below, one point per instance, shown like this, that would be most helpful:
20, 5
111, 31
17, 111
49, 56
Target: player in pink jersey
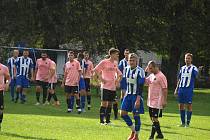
87, 76
4, 76
157, 96
110, 76
42, 70
71, 79
52, 84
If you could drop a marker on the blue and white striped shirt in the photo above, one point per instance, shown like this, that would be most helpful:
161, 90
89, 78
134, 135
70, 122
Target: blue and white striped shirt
134, 79
122, 65
11, 64
24, 65
187, 76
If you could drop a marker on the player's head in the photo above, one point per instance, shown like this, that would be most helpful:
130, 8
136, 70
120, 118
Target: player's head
132, 60
71, 55
106, 56
114, 54
80, 56
15, 53
188, 58
44, 55
86, 55
126, 53
152, 67
25, 52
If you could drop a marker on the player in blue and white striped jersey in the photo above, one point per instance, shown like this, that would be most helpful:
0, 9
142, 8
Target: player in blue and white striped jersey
133, 101
122, 65
24, 67
185, 86
11, 65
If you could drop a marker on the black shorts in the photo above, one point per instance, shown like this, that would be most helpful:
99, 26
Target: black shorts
108, 95
87, 84
42, 84
1, 100
155, 113
51, 85
72, 89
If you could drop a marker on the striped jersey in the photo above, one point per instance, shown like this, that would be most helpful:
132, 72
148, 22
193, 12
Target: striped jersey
122, 64
11, 64
23, 65
134, 78
187, 75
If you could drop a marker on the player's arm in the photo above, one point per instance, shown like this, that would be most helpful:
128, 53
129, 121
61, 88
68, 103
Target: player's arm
32, 70
178, 82
7, 78
165, 94
140, 86
64, 79
119, 77
98, 71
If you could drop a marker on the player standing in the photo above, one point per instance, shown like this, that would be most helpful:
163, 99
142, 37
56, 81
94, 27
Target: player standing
133, 100
110, 76
157, 97
4, 76
71, 79
185, 86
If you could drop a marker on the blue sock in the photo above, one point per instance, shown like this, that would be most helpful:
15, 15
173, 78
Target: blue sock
71, 102
137, 123
82, 102
128, 120
12, 91
182, 115
189, 114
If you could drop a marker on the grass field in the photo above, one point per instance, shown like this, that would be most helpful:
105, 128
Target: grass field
50, 123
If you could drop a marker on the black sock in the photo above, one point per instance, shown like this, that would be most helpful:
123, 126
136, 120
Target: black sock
44, 94
108, 114
115, 108
102, 114
78, 103
68, 102
55, 97
37, 96
157, 128
88, 99
153, 131
49, 97
1, 117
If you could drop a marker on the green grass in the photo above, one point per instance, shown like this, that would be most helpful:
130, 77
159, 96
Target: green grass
50, 123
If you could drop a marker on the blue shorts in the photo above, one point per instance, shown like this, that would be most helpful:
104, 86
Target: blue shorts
22, 81
81, 84
128, 104
185, 95
123, 85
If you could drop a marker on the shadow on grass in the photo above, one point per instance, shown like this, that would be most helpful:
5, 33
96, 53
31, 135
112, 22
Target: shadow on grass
23, 137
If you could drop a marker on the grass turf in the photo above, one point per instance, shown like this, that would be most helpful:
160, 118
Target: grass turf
27, 121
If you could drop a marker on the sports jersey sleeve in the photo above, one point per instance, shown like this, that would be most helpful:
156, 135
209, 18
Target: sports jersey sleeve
195, 71
120, 66
180, 73
163, 82
140, 82
99, 67
17, 62
31, 64
9, 62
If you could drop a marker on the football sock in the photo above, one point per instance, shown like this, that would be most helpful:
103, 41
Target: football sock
49, 97
115, 108
189, 114
182, 115
102, 114
78, 103
44, 94
37, 96
157, 128
128, 120
71, 105
88, 99
82, 102
108, 114
137, 123
1, 116
55, 97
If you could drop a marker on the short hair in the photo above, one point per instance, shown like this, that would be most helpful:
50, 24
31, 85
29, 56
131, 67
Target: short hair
189, 54
71, 52
85, 52
43, 52
126, 50
80, 55
113, 50
25, 50
152, 63
133, 55
107, 56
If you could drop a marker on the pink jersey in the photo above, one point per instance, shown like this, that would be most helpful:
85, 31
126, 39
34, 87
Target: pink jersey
109, 70
89, 70
156, 82
72, 69
53, 79
43, 67
3, 71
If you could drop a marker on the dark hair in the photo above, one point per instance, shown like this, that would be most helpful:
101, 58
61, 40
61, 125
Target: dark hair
85, 52
113, 50
152, 63
25, 50
80, 55
71, 52
43, 52
126, 50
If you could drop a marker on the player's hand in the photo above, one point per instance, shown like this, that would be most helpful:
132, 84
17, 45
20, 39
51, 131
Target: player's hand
62, 85
137, 103
175, 93
117, 83
32, 79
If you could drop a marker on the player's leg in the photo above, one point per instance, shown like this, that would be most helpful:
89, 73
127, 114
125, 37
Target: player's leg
49, 91
1, 107
137, 126
38, 91
88, 94
123, 87
18, 88
104, 105
76, 94
189, 107
52, 91
25, 86
12, 89
82, 92
115, 108
111, 97
67, 90
153, 130
181, 100
44, 87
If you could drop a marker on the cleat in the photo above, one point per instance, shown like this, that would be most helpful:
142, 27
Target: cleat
187, 125
151, 138
79, 111
37, 103
181, 125
89, 106
46, 103
131, 135
136, 137
69, 110
160, 136
102, 123
109, 123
